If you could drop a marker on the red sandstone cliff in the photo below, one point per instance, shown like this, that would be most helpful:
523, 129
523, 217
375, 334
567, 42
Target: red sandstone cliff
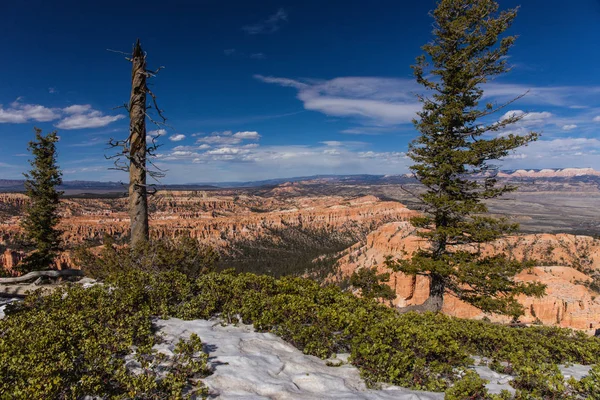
568, 303
215, 219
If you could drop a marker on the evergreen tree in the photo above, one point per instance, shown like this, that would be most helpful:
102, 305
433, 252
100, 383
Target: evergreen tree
41, 215
372, 285
458, 139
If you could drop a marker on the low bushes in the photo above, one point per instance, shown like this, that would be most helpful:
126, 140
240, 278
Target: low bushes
77, 341
428, 351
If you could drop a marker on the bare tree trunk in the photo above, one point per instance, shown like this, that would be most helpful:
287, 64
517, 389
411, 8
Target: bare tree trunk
138, 196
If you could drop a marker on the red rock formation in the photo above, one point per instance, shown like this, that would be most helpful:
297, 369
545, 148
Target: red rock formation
217, 219
9, 259
568, 303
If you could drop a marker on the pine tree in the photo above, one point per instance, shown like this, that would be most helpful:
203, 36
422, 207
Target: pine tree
41, 215
452, 160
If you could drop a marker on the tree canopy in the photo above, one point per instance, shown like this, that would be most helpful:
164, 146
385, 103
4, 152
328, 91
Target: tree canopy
41, 216
459, 139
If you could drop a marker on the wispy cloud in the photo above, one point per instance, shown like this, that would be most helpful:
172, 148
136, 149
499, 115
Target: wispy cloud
155, 134
381, 105
240, 54
268, 25
243, 119
226, 137
569, 127
557, 153
528, 118
375, 101
89, 143
251, 161
562, 96
83, 117
177, 137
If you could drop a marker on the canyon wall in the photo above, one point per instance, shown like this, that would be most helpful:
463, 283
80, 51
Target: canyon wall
214, 219
568, 302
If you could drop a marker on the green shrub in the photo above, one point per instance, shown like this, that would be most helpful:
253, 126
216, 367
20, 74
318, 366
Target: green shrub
371, 284
76, 341
589, 387
183, 254
544, 382
471, 386
420, 351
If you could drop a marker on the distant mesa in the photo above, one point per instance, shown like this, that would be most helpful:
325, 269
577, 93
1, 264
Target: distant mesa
73, 187
550, 173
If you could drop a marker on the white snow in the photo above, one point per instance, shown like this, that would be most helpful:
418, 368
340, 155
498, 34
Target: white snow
3, 303
250, 365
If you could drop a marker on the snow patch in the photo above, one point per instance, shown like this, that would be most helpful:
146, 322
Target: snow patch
250, 365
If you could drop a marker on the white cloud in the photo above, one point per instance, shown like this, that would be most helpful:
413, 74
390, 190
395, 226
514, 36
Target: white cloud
385, 102
218, 140
332, 143
269, 25
227, 137
180, 153
155, 134
19, 113
177, 137
368, 130
250, 161
569, 127
77, 109
77, 116
557, 153
382, 101
247, 135
597, 119
94, 119
528, 118
549, 95
228, 151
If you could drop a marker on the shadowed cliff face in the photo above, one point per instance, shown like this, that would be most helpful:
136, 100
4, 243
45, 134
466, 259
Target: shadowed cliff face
566, 263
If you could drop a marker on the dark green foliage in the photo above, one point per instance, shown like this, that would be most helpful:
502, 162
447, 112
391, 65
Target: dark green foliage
74, 343
422, 351
41, 215
183, 254
371, 284
470, 386
541, 382
589, 387
452, 159
291, 250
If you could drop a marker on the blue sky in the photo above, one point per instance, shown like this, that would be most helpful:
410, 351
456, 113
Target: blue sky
266, 89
